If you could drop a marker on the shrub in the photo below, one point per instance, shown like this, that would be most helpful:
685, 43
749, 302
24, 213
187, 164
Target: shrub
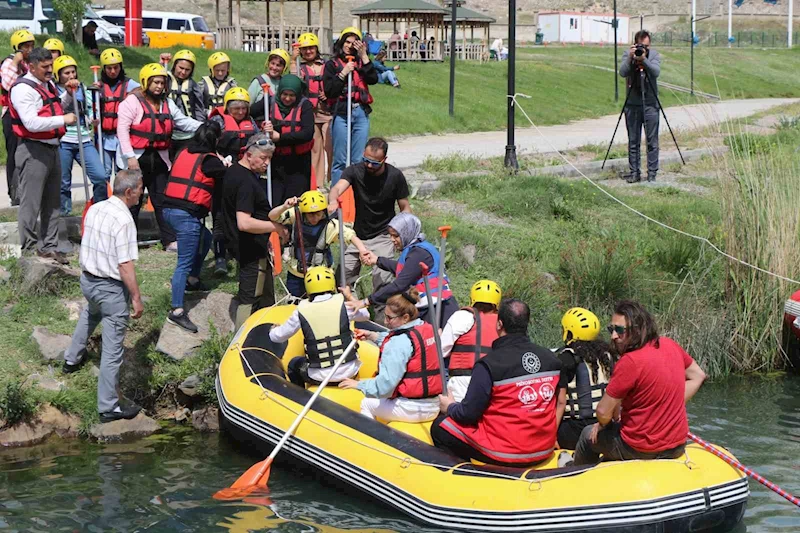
597, 276
17, 402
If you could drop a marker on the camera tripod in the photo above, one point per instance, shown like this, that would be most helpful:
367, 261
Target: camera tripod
643, 78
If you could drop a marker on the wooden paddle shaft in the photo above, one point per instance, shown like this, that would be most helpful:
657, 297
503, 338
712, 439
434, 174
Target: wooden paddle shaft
307, 408
436, 337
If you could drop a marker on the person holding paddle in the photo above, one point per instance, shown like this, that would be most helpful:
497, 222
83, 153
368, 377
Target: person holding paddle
311, 240
408, 381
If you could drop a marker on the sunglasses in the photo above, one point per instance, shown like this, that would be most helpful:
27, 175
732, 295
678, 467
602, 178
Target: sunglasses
390, 317
372, 163
261, 142
620, 330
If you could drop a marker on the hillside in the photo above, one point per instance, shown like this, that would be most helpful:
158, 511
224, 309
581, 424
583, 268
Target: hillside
254, 12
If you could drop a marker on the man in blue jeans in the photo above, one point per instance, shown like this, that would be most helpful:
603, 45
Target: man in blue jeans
65, 68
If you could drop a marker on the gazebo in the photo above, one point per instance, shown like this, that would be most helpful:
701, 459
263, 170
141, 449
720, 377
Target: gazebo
409, 13
467, 18
261, 38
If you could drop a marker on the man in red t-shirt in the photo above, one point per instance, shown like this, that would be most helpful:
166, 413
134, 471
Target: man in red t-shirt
651, 384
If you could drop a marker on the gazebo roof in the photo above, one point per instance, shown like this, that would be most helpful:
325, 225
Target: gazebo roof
467, 15
398, 6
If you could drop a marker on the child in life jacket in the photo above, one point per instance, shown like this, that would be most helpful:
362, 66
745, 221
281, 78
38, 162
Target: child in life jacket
325, 322
215, 85
408, 382
317, 233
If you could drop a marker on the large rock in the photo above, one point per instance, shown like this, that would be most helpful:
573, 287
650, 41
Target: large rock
214, 307
206, 419
468, 253
48, 421
45, 382
120, 430
37, 273
74, 307
51, 345
189, 385
5, 275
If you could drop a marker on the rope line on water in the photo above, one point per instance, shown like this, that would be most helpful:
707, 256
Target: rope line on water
704, 240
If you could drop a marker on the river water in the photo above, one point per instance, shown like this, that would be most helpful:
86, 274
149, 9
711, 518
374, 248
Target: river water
164, 483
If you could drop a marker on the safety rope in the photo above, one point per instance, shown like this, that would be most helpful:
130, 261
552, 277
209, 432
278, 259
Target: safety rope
408, 461
704, 240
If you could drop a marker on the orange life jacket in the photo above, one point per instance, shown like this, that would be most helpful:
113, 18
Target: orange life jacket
187, 182
51, 107
292, 123
360, 88
473, 345
315, 88
155, 129
235, 134
422, 378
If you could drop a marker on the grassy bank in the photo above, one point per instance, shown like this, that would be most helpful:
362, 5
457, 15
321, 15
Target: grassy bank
562, 81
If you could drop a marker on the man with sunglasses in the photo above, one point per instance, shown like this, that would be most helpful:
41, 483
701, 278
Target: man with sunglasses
651, 384
377, 187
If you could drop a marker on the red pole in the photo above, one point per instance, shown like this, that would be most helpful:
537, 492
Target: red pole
133, 22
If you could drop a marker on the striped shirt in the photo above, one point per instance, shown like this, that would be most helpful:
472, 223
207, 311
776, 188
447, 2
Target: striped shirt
109, 239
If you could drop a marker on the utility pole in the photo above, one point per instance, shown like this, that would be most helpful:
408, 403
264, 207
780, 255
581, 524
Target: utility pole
730, 23
615, 24
511, 149
694, 28
791, 17
453, 22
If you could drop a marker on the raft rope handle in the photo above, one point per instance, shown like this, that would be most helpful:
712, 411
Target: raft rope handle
515, 103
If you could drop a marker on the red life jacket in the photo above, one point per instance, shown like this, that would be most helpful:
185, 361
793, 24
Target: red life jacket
51, 107
473, 345
433, 274
360, 89
234, 134
314, 83
155, 129
187, 182
290, 124
518, 426
111, 99
22, 69
422, 378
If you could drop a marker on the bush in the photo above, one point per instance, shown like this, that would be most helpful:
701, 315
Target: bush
597, 276
71, 14
17, 402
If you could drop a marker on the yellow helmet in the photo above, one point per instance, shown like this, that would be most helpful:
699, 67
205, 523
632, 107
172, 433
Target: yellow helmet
20, 37
217, 58
307, 39
151, 70
188, 55
351, 29
54, 44
283, 54
312, 201
319, 279
110, 56
63, 62
580, 324
486, 292
235, 94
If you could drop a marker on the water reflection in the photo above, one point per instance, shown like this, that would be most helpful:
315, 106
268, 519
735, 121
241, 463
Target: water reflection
165, 483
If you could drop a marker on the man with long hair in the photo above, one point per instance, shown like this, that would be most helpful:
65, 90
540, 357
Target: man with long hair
652, 382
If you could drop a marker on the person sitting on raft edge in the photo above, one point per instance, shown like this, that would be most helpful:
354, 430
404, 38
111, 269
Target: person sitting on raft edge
325, 322
408, 381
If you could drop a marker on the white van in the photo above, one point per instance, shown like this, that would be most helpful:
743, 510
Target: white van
167, 29
34, 15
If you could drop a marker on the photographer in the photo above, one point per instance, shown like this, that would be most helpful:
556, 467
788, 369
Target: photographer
635, 60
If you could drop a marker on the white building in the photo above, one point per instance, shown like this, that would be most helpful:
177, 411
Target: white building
575, 27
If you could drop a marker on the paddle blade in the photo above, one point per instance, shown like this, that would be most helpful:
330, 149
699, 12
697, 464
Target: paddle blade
253, 480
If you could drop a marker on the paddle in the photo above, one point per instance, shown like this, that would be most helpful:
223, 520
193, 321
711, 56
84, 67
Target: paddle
257, 475
736, 464
436, 337
440, 281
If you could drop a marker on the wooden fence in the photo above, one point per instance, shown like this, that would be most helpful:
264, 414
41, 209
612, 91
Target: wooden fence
262, 38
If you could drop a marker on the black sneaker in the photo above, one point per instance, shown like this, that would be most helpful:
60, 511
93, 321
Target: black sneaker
195, 287
182, 321
633, 177
125, 413
70, 369
220, 266
651, 176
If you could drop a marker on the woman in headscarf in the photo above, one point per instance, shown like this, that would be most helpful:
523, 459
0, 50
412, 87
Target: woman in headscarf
291, 127
405, 230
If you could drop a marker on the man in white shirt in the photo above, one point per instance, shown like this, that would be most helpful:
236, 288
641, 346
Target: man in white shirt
108, 252
38, 120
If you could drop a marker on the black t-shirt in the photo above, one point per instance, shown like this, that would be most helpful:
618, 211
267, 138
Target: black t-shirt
244, 191
375, 197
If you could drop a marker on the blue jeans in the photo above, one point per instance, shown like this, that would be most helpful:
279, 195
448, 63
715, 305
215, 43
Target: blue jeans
389, 76
359, 138
194, 241
109, 162
69, 152
295, 285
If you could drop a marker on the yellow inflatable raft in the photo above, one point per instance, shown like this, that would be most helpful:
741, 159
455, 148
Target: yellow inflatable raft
397, 464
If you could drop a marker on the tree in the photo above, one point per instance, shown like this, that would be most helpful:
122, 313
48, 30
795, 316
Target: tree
71, 14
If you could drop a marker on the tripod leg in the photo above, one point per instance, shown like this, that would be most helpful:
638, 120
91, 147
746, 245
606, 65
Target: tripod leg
661, 108
628, 95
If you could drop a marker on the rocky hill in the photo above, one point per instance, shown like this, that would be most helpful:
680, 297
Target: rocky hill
255, 13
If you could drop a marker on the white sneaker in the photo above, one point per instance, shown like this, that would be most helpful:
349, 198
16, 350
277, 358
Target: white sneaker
564, 459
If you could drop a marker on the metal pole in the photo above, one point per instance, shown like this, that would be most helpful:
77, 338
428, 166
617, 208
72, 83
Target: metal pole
730, 22
453, 17
791, 17
265, 88
98, 106
614, 25
511, 149
691, 61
